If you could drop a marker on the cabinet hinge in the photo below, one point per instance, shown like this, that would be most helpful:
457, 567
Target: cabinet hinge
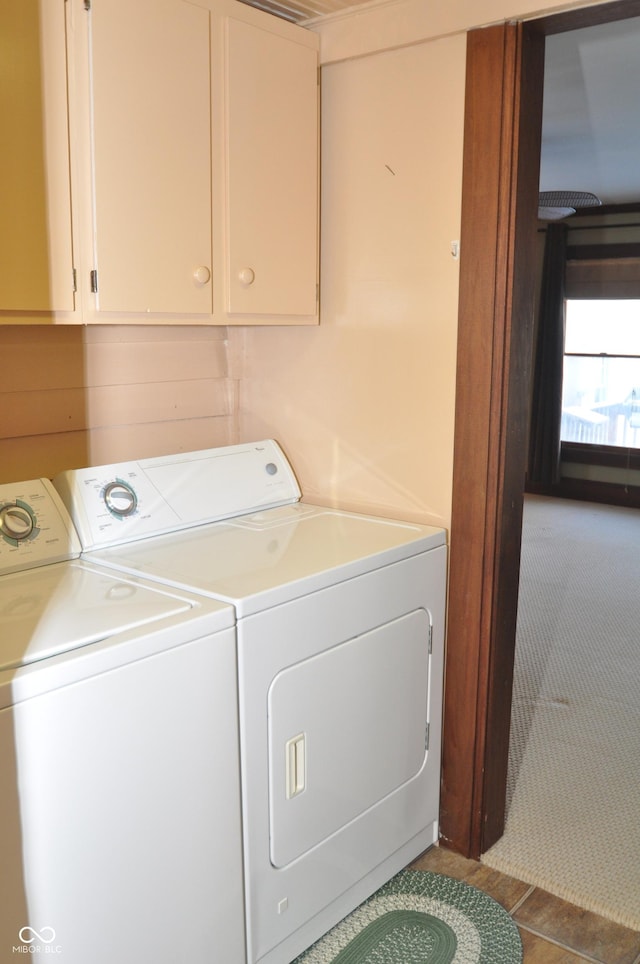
87, 4
93, 275
430, 638
74, 280
319, 69
426, 736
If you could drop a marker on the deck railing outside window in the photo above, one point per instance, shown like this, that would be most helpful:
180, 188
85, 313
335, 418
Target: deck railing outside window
601, 374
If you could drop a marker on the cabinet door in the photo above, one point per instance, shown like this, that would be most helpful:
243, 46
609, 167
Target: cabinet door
151, 105
272, 173
36, 264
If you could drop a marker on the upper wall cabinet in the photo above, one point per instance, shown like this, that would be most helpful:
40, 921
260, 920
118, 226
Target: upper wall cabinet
151, 133
159, 164
36, 250
272, 158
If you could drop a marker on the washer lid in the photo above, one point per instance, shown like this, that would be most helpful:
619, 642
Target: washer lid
57, 608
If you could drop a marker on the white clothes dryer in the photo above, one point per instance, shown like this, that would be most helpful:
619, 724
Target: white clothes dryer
120, 833
340, 628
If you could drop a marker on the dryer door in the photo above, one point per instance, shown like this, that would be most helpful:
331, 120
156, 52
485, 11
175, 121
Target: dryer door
347, 727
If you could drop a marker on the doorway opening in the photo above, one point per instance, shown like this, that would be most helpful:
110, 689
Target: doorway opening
505, 71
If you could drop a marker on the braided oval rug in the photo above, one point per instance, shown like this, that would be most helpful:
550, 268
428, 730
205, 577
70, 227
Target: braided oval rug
420, 917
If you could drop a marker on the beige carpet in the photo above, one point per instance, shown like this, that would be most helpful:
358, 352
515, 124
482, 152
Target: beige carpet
573, 821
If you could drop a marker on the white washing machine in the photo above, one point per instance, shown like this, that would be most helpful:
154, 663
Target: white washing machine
340, 624
120, 836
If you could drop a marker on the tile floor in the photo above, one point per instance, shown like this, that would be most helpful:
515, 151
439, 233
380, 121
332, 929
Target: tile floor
552, 931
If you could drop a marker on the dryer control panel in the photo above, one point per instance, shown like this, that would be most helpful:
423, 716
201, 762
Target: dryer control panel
114, 504
35, 528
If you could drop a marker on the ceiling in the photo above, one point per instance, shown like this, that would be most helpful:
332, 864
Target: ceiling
590, 128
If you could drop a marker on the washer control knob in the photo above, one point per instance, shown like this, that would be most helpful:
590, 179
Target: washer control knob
120, 499
16, 521
246, 276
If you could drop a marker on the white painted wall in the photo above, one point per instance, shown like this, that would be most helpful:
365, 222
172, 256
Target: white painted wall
364, 404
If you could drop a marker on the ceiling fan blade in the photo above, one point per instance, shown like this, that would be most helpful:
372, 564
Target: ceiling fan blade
568, 199
556, 205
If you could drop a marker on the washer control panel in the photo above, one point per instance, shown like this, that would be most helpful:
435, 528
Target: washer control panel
17, 521
114, 504
35, 528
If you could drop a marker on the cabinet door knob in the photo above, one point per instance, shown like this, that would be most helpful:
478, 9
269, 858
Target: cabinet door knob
202, 274
246, 276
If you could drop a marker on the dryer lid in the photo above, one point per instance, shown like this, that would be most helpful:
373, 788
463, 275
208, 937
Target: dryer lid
59, 608
275, 555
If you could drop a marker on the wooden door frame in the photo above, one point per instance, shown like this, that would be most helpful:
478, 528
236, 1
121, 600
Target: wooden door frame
499, 199
503, 115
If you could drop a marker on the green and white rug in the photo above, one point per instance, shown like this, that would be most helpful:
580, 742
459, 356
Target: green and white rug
421, 917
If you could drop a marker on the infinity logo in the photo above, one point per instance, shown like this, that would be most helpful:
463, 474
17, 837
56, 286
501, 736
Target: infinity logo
46, 936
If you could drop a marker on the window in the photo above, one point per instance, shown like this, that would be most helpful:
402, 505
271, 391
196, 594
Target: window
601, 373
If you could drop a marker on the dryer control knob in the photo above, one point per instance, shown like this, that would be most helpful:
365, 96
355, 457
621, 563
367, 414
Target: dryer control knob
120, 499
